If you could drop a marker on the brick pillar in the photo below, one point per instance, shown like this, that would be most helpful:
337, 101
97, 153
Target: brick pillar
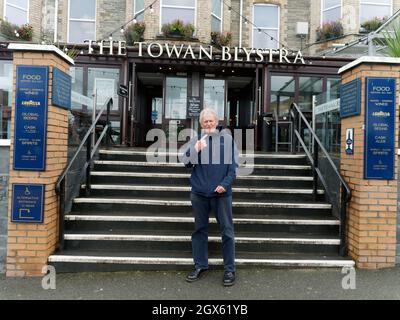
30, 244
372, 212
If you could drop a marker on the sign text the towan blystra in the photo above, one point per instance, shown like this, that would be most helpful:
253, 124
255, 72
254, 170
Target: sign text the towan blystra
200, 52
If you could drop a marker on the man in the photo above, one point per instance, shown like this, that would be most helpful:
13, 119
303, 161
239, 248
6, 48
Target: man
214, 170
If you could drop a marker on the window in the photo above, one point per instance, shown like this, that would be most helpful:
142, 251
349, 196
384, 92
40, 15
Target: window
282, 94
16, 11
331, 10
138, 10
214, 96
184, 10
266, 20
308, 87
82, 21
104, 82
216, 16
176, 98
370, 9
78, 98
6, 86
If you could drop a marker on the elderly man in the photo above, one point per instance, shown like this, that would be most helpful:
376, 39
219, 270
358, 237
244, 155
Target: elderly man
213, 158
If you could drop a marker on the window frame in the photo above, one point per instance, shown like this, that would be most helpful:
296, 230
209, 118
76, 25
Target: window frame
255, 29
219, 18
17, 7
330, 8
162, 5
366, 2
81, 20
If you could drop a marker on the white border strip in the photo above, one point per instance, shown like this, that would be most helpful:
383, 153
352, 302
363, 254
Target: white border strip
189, 261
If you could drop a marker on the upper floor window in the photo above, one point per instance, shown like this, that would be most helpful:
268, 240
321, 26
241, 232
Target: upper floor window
82, 20
216, 16
266, 26
370, 9
16, 11
184, 10
138, 10
331, 11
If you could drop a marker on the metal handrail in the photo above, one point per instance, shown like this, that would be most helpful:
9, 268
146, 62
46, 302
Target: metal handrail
313, 157
90, 152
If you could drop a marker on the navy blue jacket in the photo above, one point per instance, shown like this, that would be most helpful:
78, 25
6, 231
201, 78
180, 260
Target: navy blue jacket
214, 166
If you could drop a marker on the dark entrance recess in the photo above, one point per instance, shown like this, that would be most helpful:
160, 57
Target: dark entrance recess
161, 94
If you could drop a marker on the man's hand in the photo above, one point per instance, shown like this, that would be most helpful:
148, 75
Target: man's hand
200, 145
220, 189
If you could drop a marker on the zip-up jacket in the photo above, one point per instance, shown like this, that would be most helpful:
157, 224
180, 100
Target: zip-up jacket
213, 166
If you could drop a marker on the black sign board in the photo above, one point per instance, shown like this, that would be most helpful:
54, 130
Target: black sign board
193, 107
123, 91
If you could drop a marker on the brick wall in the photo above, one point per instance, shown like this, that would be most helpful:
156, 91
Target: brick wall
110, 17
29, 245
372, 213
4, 173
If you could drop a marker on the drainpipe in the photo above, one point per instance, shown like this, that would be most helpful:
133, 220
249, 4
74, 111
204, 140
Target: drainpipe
55, 21
240, 23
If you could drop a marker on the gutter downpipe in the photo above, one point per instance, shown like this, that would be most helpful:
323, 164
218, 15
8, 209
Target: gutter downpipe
55, 21
240, 23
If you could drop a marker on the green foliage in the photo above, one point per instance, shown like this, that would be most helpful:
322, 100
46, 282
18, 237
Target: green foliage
391, 39
373, 24
15, 32
330, 30
134, 32
178, 28
221, 39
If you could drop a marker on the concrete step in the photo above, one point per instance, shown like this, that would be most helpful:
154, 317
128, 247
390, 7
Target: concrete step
81, 261
176, 167
183, 192
159, 223
96, 204
143, 155
183, 179
129, 240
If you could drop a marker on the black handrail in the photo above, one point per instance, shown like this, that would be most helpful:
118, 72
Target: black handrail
297, 118
90, 152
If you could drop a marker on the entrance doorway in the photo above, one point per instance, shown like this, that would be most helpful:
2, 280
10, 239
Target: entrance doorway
161, 101
241, 106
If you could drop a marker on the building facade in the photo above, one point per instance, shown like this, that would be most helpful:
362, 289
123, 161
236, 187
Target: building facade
271, 61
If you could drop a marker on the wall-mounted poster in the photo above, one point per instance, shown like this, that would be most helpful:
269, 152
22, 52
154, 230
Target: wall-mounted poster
30, 118
380, 113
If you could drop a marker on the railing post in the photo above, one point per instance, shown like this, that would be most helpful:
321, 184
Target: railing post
315, 175
108, 133
62, 214
299, 131
88, 153
343, 217
294, 127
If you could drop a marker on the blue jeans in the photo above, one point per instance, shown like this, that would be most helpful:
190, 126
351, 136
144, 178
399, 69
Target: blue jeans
222, 207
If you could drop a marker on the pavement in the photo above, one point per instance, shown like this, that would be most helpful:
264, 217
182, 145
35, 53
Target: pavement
251, 284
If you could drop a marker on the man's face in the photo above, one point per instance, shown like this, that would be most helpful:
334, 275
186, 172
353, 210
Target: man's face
208, 123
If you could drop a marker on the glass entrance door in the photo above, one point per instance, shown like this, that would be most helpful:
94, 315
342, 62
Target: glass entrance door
175, 109
214, 96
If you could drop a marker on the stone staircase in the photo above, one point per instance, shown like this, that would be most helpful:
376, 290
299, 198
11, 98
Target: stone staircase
138, 216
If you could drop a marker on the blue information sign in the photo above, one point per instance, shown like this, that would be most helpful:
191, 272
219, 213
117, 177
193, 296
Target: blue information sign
380, 98
61, 89
350, 98
27, 203
30, 118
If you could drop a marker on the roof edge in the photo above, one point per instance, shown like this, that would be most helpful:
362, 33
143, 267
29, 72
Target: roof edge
369, 59
40, 48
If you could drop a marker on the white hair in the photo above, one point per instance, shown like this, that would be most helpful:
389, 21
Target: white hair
208, 110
